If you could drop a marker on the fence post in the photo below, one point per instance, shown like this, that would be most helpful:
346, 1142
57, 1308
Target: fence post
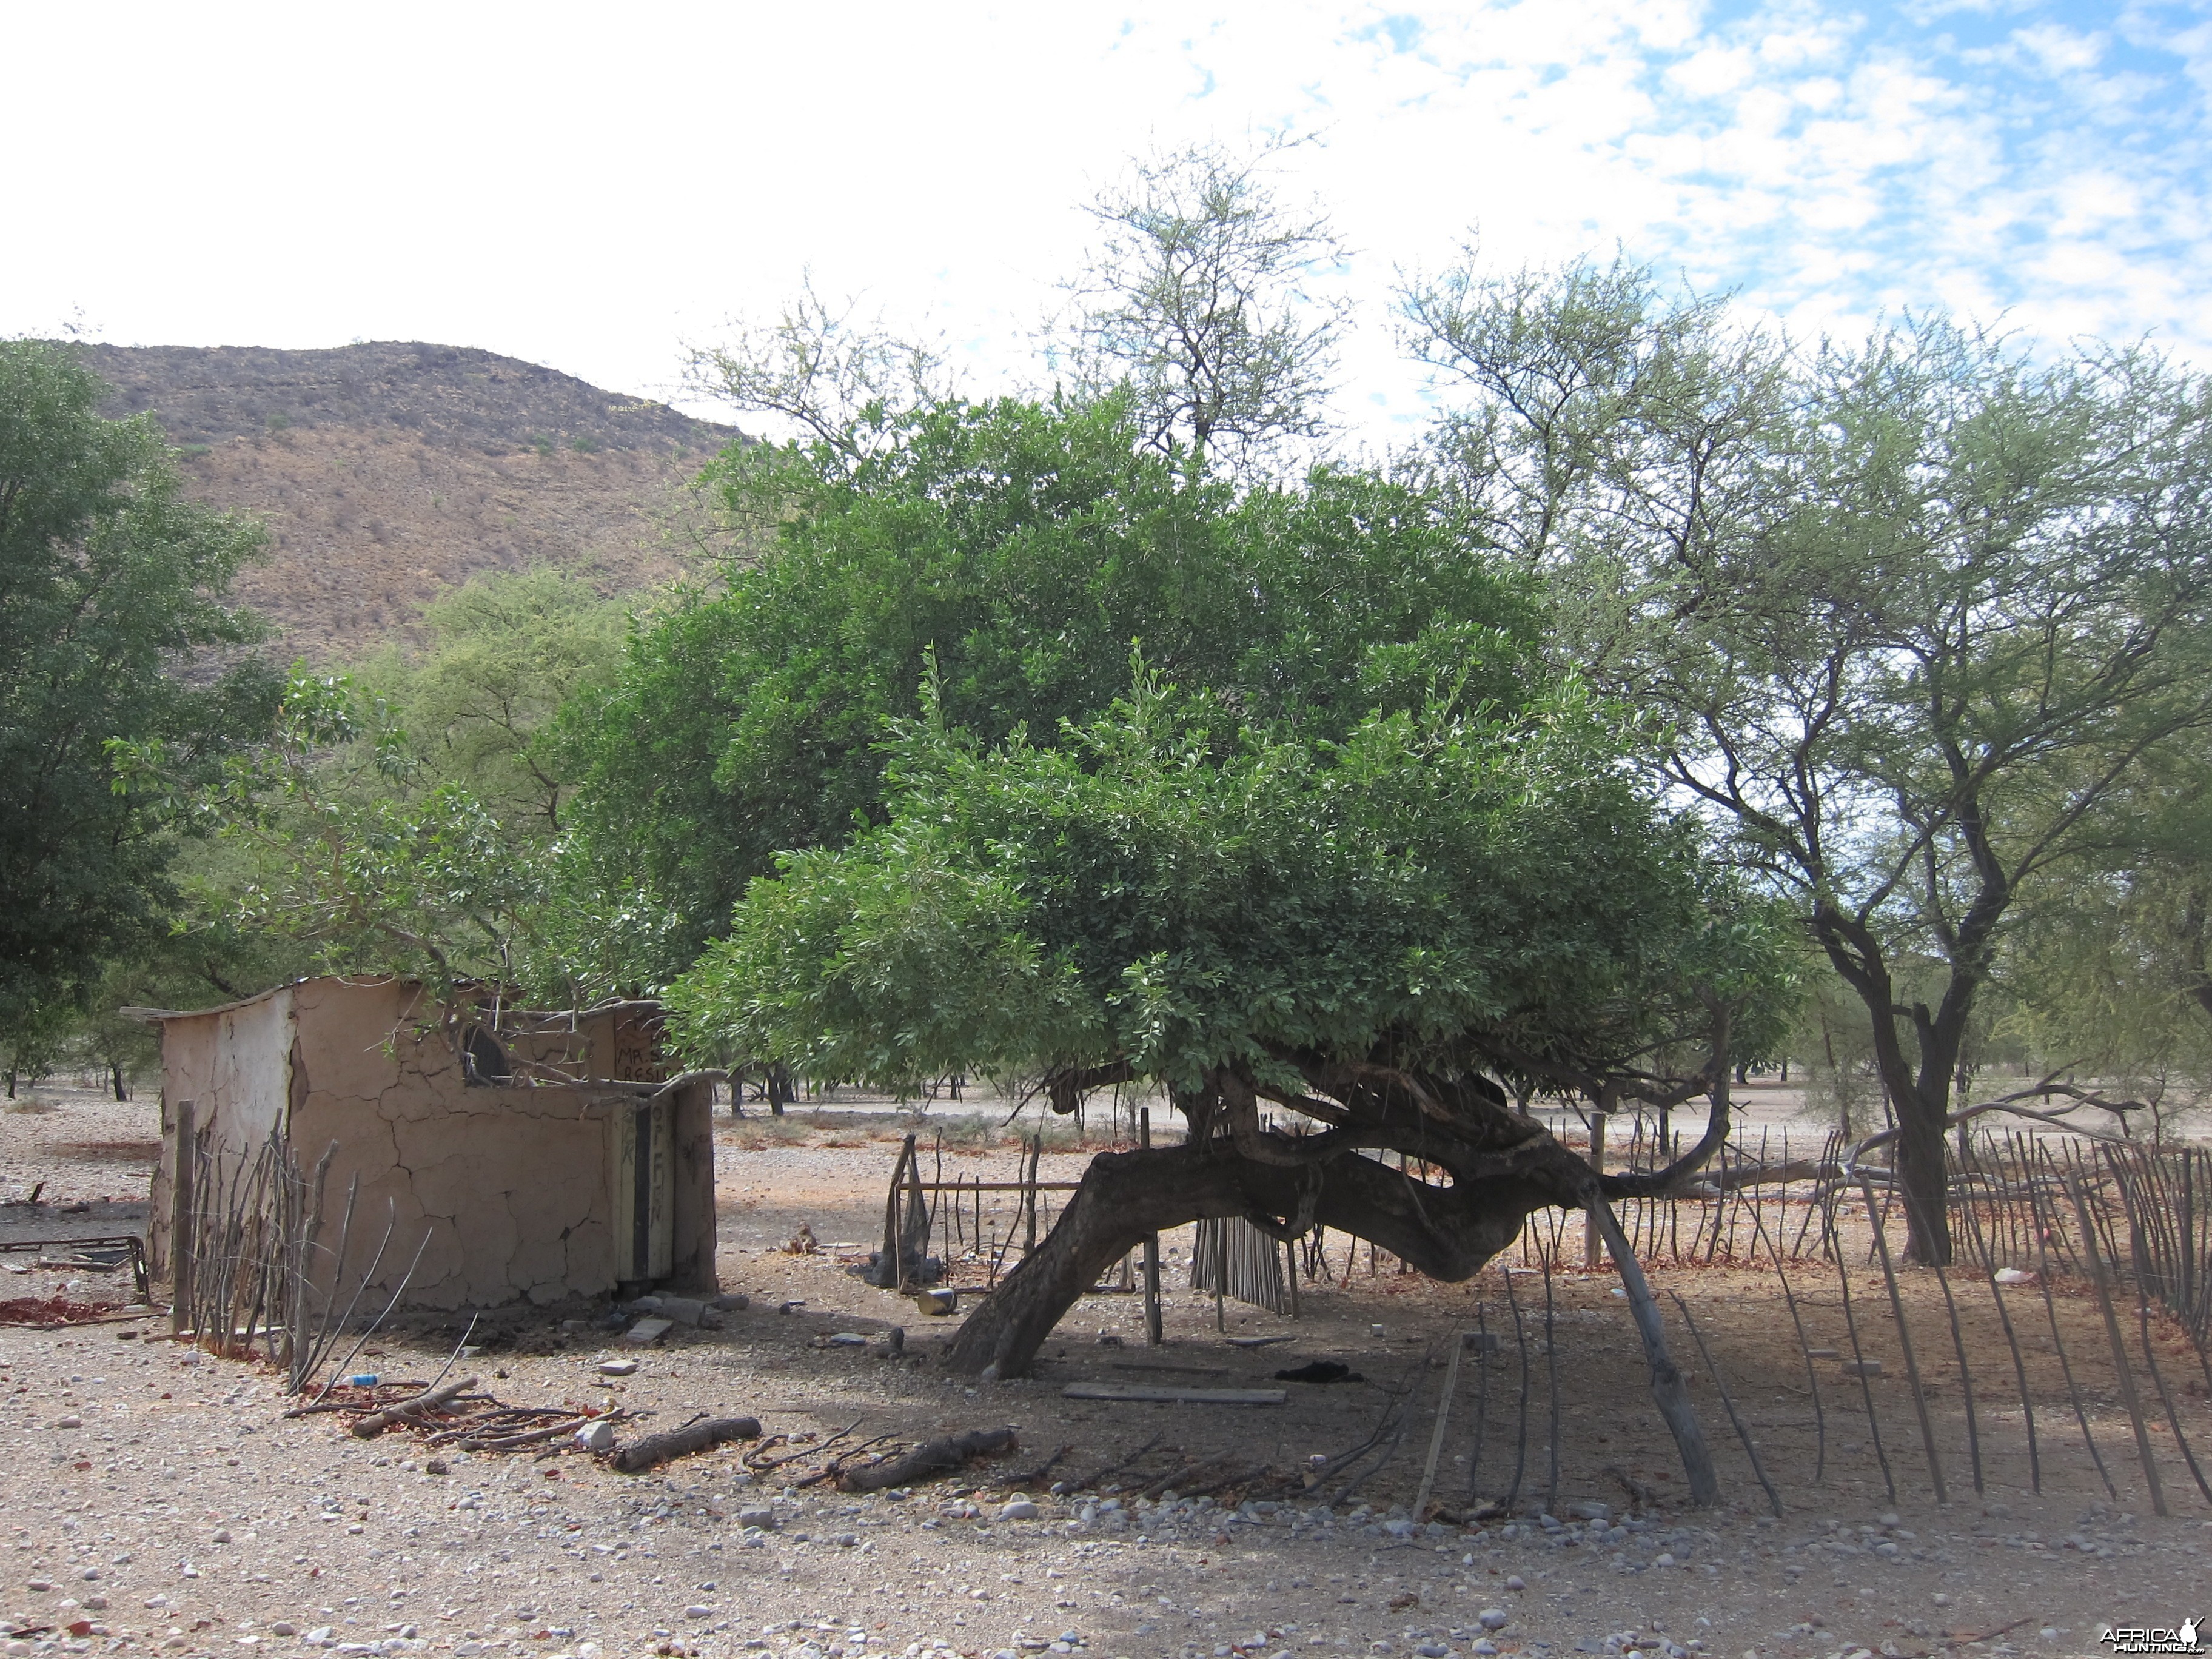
181, 1220
1152, 1335
2099, 1279
1593, 1241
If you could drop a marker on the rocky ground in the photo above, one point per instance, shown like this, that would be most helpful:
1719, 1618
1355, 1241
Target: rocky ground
160, 1498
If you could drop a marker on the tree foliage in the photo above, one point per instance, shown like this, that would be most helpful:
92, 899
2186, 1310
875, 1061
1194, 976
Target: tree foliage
1164, 892
1026, 546
409, 818
111, 583
1919, 613
1200, 298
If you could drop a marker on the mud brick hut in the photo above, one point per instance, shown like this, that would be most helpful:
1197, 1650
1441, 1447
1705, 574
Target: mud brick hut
529, 1158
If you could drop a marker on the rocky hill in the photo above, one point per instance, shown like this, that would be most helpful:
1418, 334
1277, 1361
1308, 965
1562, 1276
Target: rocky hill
387, 472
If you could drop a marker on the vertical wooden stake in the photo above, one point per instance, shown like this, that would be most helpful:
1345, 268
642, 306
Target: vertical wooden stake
1668, 1391
1481, 1397
1833, 1236
1152, 1333
1030, 1197
181, 1220
1593, 1240
1444, 1417
1905, 1343
2097, 1277
1728, 1403
892, 1254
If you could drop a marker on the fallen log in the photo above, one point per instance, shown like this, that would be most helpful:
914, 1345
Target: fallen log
377, 1421
933, 1458
682, 1443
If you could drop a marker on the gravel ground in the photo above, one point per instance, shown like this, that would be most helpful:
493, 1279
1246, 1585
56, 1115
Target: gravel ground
162, 1499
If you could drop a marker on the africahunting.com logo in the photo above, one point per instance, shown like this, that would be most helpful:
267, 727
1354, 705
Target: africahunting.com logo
2152, 1638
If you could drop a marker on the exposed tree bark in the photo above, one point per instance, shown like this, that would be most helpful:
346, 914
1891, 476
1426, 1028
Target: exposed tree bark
653, 1448
935, 1457
1447, 1232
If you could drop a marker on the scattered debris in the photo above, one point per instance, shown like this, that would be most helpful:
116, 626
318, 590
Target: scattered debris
647, 1332
413, 1409
451, 1415
48, 1312
617, 1367
803, 1241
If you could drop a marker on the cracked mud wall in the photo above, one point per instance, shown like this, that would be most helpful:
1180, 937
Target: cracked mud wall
513, 1187
233, 1067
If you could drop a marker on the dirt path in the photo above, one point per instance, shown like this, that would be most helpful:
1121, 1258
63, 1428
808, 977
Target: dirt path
165, 1495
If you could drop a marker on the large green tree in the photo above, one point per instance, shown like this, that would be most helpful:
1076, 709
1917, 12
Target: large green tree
112, 623
1027, 546
1383, 934
1921, 615
410, 817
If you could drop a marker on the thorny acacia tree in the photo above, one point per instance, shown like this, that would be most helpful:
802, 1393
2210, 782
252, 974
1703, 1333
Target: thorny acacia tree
1199, 296
1380, 935
409, 819
1920, 614
836, 380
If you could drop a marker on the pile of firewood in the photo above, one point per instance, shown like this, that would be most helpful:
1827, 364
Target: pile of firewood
456, 1415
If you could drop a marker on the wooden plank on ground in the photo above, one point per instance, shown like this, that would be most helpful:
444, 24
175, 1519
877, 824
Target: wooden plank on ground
1172, 1396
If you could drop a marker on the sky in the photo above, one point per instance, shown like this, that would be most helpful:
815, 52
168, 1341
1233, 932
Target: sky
594, 188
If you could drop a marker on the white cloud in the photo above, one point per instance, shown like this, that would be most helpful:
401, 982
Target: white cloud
585, 188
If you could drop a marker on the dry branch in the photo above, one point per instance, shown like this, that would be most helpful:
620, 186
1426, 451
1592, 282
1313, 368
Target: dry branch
377, 1421
934, 1457
682, 1443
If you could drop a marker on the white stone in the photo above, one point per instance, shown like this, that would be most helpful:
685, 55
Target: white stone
617, 1367
72, 1421
1019, 1509
1493, 1618
681, 1308
596, 1436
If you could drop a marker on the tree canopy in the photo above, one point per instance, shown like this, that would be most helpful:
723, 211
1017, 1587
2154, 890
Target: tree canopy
1163, 893
1025, 546
111, 583
1920, 616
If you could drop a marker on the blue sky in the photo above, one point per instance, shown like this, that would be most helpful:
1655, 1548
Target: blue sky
590, 188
